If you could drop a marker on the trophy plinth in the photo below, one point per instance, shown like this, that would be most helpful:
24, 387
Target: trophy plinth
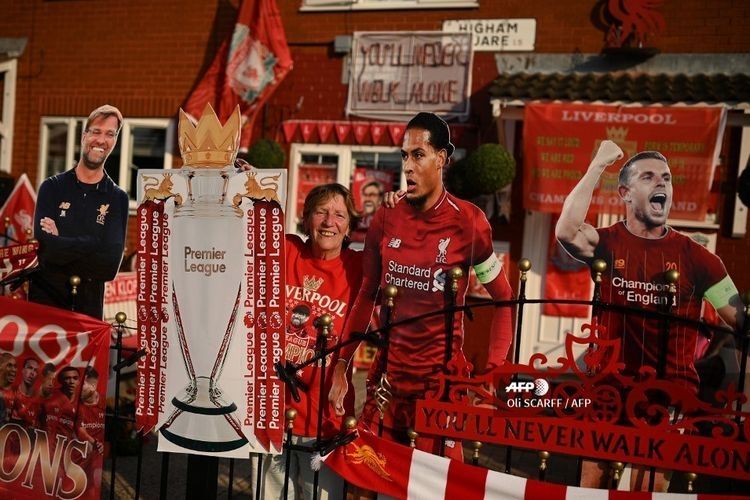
206, 269
211, 426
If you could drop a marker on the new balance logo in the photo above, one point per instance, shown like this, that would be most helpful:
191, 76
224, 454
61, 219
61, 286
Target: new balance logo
394, 243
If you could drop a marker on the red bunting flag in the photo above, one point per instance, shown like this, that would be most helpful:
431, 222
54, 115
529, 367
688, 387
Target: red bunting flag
396, 131
360, 131
19, 209
248, 67
324, 130
306, 128
290, 128
342, 130
376, 132
566, 279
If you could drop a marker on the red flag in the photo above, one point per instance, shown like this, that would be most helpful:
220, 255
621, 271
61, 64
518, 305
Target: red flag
396, 131
342, 130
290, 128
19, 209
324, 130
248, 67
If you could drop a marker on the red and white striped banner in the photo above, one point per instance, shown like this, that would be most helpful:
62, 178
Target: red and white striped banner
402, 472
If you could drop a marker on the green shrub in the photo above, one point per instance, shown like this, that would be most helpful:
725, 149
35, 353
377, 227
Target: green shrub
266, 153
488, 169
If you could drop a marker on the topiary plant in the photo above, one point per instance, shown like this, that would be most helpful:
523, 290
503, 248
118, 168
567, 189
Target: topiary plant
488, 169
266, 153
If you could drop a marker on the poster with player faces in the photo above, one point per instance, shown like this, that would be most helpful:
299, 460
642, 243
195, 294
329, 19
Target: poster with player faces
210, 308
53, 378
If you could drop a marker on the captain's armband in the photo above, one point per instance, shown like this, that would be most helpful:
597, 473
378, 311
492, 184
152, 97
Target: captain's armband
720, 293
489, 269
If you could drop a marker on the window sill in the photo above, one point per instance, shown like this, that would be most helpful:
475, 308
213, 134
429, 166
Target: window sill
390, 6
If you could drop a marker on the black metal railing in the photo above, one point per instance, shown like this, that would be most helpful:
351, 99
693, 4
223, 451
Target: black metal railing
205, 473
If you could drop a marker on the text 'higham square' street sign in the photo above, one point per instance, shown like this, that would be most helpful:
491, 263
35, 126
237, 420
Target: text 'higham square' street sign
496, 35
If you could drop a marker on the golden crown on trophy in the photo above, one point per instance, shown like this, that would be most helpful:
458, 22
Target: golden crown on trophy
209, 144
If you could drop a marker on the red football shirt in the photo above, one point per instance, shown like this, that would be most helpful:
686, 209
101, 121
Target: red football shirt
91, 419
25, 409
59, 415
636, 270
322, 286
415, 251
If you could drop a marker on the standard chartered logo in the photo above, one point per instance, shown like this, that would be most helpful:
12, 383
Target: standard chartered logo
415, 277
438, 281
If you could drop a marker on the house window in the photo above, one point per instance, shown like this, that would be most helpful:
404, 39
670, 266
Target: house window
352, 166
385, 4
7, 110
142, 143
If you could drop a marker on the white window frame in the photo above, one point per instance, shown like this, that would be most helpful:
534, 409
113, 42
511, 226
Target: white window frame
344, 168
128, 124
10, 69
319, 5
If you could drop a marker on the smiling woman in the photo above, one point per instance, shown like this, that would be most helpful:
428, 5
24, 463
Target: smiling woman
322, 277
328, 217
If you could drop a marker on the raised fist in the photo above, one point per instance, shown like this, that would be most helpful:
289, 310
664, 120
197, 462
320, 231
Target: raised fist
607, 154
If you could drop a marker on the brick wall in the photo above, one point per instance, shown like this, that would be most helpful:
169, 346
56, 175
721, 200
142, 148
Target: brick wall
146, 56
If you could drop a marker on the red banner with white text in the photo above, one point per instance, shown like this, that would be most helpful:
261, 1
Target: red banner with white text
561, 139
15, 260
53, 380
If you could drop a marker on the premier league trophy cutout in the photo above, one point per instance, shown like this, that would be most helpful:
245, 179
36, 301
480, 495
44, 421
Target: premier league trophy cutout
206, 274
